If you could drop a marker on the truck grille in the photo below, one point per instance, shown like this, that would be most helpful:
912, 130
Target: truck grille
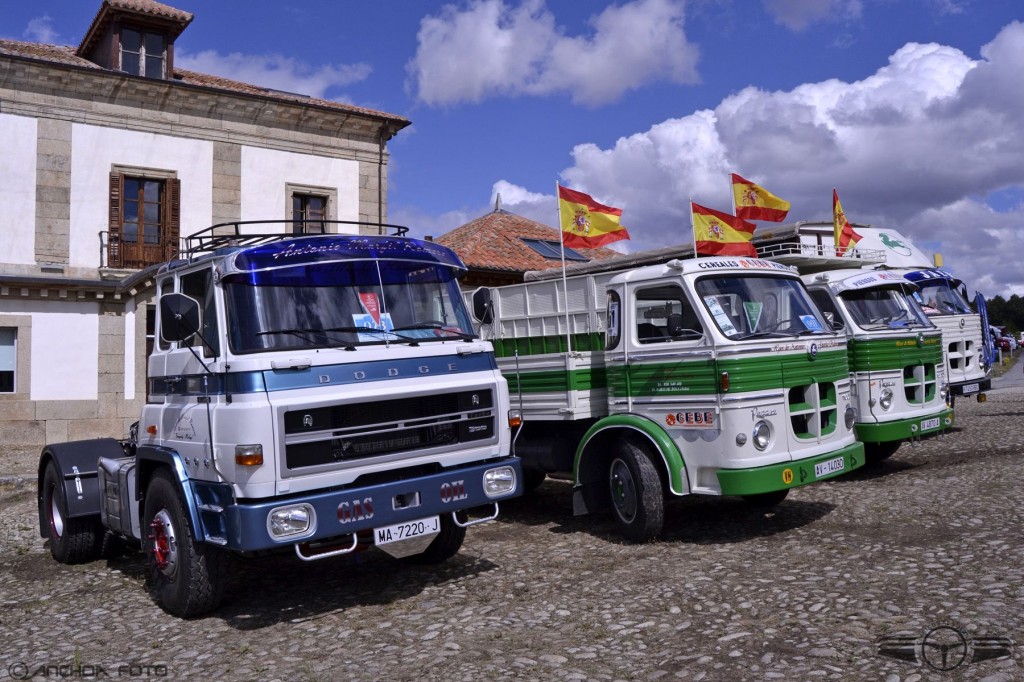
813, 410
919, 383
343, 433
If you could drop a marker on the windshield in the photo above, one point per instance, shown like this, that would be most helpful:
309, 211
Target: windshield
346, 304
744, 306
937, 297
882, 307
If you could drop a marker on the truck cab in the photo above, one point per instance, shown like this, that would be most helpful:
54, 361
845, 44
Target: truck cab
313, 394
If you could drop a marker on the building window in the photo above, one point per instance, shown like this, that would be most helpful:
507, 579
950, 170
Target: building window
8, 359
552, 250
306, 206
142, 53
307, 209
144, 219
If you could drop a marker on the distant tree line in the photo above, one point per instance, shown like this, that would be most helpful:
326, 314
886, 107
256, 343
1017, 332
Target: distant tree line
1004, 312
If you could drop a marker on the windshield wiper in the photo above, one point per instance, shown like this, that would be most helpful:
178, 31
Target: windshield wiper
437, 326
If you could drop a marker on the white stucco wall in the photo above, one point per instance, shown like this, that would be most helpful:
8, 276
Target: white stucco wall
18, 190
94, 150
266, 172
65, 349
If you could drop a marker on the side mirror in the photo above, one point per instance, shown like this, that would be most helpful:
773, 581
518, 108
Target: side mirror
483, 306
830, 317
179, 317
675, 324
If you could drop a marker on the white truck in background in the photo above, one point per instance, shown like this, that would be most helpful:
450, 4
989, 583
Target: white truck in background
317, 394
942, 295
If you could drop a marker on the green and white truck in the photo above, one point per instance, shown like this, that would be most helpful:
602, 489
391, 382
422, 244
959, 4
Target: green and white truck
895, 352
647, 382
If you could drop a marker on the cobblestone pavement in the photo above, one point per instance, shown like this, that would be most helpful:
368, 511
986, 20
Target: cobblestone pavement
932, 538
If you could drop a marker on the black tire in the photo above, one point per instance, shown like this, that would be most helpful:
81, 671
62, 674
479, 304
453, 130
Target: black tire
184, 577
637, 502
532, 479
875, 453
445, 545
766, 500
72, 541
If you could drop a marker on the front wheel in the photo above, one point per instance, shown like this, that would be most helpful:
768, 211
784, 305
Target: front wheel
184, 576
637, 501
445, 545
875, 453
766, 500
72, 540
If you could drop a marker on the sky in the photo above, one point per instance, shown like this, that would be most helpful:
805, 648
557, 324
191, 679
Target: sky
913, 110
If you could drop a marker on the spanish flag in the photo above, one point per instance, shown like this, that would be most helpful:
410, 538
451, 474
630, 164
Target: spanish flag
586, 223
720, 234
754, 202
846, 238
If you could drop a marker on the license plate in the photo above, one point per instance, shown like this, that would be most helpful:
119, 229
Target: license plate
970, 388
407, 530
930, 424
829, 467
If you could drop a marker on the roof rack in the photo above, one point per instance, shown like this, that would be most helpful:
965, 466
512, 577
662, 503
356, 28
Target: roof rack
224, 235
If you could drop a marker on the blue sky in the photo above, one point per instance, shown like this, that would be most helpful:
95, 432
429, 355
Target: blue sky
912, 109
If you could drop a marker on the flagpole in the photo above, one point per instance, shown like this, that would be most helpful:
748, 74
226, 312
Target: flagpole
693, 228
732, 194
565, 282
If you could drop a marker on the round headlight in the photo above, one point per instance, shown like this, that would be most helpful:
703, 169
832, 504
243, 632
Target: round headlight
762, 435
850, 416
885, 400
944, 393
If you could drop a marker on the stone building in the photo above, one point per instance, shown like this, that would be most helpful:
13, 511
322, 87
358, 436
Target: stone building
111, 156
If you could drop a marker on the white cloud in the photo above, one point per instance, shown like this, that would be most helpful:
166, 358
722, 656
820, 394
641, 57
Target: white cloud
490, 49
916, 146
799, 14
275, 71
40, 30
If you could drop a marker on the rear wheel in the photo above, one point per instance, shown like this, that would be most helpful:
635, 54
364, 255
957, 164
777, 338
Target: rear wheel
637, 501
876, 452
184, 576
72, 540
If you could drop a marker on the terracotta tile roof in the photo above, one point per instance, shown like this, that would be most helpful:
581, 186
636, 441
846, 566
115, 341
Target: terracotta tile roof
493, 242
49, 53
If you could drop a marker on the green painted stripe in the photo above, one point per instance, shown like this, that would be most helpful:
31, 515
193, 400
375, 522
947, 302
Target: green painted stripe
771, 478
894, 353
540, 345
666, 446
682, 377
775, 370
900, 429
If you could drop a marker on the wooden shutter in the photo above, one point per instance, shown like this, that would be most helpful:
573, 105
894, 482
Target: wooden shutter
114, 224
171, 212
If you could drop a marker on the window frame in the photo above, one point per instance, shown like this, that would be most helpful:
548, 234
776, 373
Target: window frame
328, 194
143, 54
139, 253
14, 356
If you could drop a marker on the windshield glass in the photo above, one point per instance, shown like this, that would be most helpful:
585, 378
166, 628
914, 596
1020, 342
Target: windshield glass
348, 304
937, 297
744, 306
882, 307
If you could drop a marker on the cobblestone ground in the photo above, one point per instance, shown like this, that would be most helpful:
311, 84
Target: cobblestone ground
931, 538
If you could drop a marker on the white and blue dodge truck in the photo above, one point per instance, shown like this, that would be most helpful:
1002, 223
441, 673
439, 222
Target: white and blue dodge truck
319, 394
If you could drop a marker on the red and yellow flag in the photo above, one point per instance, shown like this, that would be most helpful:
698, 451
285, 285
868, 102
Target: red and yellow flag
586, 223
846, 238
754, 202
720, 234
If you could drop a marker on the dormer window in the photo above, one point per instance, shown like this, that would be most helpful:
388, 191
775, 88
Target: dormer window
142, 53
